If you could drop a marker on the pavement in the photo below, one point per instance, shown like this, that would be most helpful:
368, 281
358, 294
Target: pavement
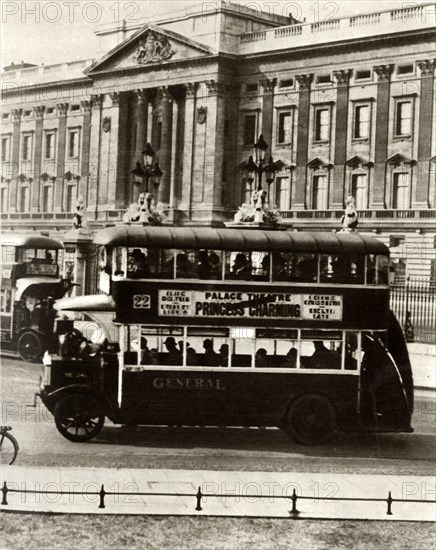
423, 360
225, 493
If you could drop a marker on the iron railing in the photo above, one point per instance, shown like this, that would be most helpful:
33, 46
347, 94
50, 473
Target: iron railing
199, 496
413, 303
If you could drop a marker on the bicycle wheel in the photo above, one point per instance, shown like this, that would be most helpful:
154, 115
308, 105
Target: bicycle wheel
8, 448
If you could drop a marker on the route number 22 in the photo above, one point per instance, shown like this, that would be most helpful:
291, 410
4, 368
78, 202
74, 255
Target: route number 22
141, 301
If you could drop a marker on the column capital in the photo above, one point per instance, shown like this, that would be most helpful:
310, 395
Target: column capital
384, 72
115, 98
165, 93
16, 114
343, 76
86, 106
190, 88
142, 95
215, 87
304, 80
268, 85
39, 111
96, 100
62, 109
426, 66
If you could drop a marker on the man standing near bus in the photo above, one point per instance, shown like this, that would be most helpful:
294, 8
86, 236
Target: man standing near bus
175, 357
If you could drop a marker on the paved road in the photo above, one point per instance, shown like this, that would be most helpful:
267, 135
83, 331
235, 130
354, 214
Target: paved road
210, 448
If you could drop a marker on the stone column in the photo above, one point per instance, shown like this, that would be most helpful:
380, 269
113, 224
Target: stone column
304, 81
95, 148
84, 169
15, 157
166, 145
141, 123
267, 112
384, 73
62, 109
426, 114
174, 142
189, 147
37, 163
340, 154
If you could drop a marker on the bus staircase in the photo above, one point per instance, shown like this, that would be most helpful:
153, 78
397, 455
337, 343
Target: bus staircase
289, 495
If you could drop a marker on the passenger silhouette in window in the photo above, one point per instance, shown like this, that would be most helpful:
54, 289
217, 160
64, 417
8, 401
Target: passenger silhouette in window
241, 268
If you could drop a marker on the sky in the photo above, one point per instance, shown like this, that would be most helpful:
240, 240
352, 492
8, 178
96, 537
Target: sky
56, 31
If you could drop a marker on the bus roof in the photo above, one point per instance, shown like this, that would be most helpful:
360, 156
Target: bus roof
30, 241
239, 239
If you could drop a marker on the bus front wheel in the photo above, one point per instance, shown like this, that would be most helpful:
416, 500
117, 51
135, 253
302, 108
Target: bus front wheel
310, 419
30, 346
79, 416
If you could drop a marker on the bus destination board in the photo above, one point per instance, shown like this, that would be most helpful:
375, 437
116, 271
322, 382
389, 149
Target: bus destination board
255, 305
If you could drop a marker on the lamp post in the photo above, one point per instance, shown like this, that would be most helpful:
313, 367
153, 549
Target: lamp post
252, 169
143, 175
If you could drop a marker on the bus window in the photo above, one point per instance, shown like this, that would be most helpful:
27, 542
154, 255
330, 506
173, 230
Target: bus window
6, 301
207, 346
304, 268
260, 266
377, 270
342, 268
238, 266
352, 352
186, 264
209, 264
321, 349
242, 347
276, 353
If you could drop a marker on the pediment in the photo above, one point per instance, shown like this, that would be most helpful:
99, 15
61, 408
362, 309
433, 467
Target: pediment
318, 162
150, 46
399, 159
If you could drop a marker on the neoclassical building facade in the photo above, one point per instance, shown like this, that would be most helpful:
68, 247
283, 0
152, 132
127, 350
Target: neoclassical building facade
345, 106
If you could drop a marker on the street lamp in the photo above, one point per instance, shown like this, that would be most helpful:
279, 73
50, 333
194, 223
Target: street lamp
142, 175
250, 168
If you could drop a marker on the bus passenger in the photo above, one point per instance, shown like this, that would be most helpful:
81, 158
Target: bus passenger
291, 359
224, 355
241, 268
154, 357
307, 270
174, 354
137, 265
191, 357
324, 358
203, 266
183, 268
211, 358
280, 272
215, 267
145, 352
261, 359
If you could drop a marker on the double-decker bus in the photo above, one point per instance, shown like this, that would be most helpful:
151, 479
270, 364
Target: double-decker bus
238, 327
30, 280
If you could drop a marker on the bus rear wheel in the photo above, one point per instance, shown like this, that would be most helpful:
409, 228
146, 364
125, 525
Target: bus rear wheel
30, 346
79, 416
310, 419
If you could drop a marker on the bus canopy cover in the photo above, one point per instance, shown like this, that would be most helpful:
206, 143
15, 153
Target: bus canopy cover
239, 240
37, 287
95, 302
30, 241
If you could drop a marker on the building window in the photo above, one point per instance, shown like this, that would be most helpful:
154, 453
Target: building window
364, 74
359, 190
283, 193
27, 113
319, 201
24, 198
284, 134
27, 148
405, 69
324, 79
250, 129
50, 110
73, 144
322, 124
50, 146
4, 199
75, 108
71, 197
6, 149
251, 88
400, 197
361, 121
47, 198
5, 116
288, 83
403, 118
